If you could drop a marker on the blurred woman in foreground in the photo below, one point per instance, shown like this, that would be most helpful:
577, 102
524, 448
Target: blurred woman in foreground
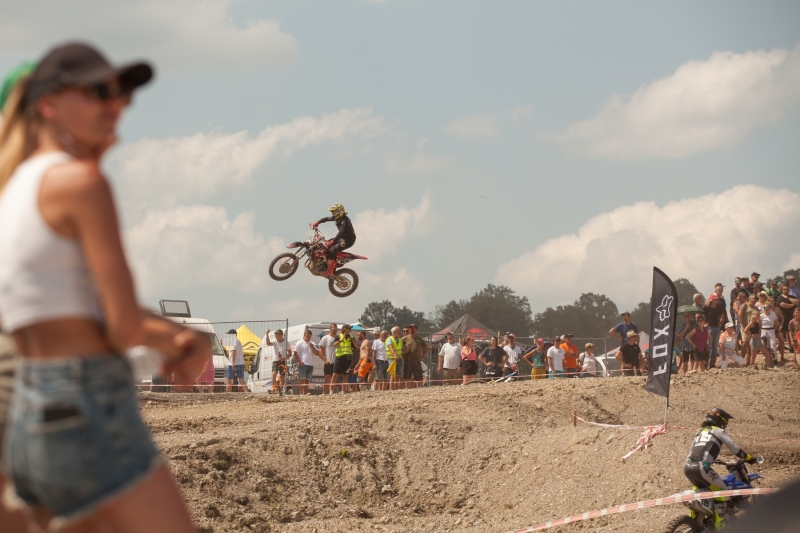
77, 450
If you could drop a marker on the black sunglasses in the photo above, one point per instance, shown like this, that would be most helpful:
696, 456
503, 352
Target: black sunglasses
109, 90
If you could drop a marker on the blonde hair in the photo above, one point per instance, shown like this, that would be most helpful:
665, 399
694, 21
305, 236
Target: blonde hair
588, 345
17, 131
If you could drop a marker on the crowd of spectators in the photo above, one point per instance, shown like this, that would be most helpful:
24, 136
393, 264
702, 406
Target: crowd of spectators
760, 319
711, 333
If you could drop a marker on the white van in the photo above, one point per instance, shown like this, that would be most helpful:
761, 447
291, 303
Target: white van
178, 311
260, 369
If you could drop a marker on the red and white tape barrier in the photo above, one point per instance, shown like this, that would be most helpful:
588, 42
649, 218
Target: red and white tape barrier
676, 426
669, 500
645, 438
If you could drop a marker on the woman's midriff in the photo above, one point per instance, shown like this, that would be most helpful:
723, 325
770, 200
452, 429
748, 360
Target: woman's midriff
59, 338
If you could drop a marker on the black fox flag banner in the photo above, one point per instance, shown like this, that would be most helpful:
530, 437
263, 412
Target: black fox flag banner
663, 308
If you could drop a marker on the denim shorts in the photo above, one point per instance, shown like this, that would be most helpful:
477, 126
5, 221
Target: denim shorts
306, 371
399, 370
239, 373
381, 373
76, 439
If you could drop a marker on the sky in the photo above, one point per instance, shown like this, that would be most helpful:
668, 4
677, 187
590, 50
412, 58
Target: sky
554, 147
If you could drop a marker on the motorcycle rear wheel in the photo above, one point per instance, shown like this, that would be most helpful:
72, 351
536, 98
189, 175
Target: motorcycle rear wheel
287, 265
683, 524
343, 283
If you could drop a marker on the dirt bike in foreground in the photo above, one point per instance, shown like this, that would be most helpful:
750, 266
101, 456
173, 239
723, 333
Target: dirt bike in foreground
341, 281
701, 516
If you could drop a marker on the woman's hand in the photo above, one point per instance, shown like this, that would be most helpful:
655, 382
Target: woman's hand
195, 352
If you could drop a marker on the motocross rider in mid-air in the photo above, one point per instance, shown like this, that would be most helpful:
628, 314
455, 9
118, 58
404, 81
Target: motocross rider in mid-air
344, 239
705, 448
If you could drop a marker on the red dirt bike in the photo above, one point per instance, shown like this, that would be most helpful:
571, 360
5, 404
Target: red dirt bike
342, 282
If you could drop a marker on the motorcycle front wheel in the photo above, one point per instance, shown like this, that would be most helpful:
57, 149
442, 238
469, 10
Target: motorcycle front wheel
283, 266
683, 524
343, 283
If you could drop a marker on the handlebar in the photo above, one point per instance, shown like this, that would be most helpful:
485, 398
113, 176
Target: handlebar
757, 460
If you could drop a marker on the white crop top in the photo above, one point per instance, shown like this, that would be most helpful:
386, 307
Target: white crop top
43, 276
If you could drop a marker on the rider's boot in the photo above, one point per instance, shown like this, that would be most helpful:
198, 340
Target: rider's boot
719, 520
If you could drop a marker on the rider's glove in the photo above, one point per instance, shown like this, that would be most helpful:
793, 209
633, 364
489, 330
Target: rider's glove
314, 224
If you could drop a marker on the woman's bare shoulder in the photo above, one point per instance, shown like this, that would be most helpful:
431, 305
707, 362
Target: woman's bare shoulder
75, 177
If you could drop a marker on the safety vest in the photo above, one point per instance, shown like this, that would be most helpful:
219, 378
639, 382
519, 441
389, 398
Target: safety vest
345, 347
398, 347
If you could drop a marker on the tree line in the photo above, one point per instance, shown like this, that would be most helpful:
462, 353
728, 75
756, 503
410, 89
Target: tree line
500, 309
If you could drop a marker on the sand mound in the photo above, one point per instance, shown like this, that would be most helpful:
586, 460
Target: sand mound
490, 457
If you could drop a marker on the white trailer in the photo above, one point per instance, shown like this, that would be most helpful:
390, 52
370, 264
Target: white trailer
178, 311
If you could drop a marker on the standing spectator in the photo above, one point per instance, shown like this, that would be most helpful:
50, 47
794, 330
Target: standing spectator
753, 329
415, 348
746, 313
493, 357
754, 281
794, 290
538, 360
450, 360
687, 348
716, 313
763, 300
235, 368
772, 290
738, 303
571, 369
380, 361
364, 364
697, 301
394, 354
281, 352
794, 333
469, 361
699, 337
786, 305
76, 447
304, 352
768, 322
630, 356
555, 359
408, 346
511, 359
727, 348
588, 362
737, 288
327, 345
344, 357
620, 331
746, 287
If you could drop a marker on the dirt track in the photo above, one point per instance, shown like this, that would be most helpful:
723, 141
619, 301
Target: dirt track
489, 457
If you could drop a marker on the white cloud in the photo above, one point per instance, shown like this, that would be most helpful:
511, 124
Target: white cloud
518, 113
176, 34
401, 287
418, 163
180, 169
482, 126
198, 246
705, 239
702, 106
379, 232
